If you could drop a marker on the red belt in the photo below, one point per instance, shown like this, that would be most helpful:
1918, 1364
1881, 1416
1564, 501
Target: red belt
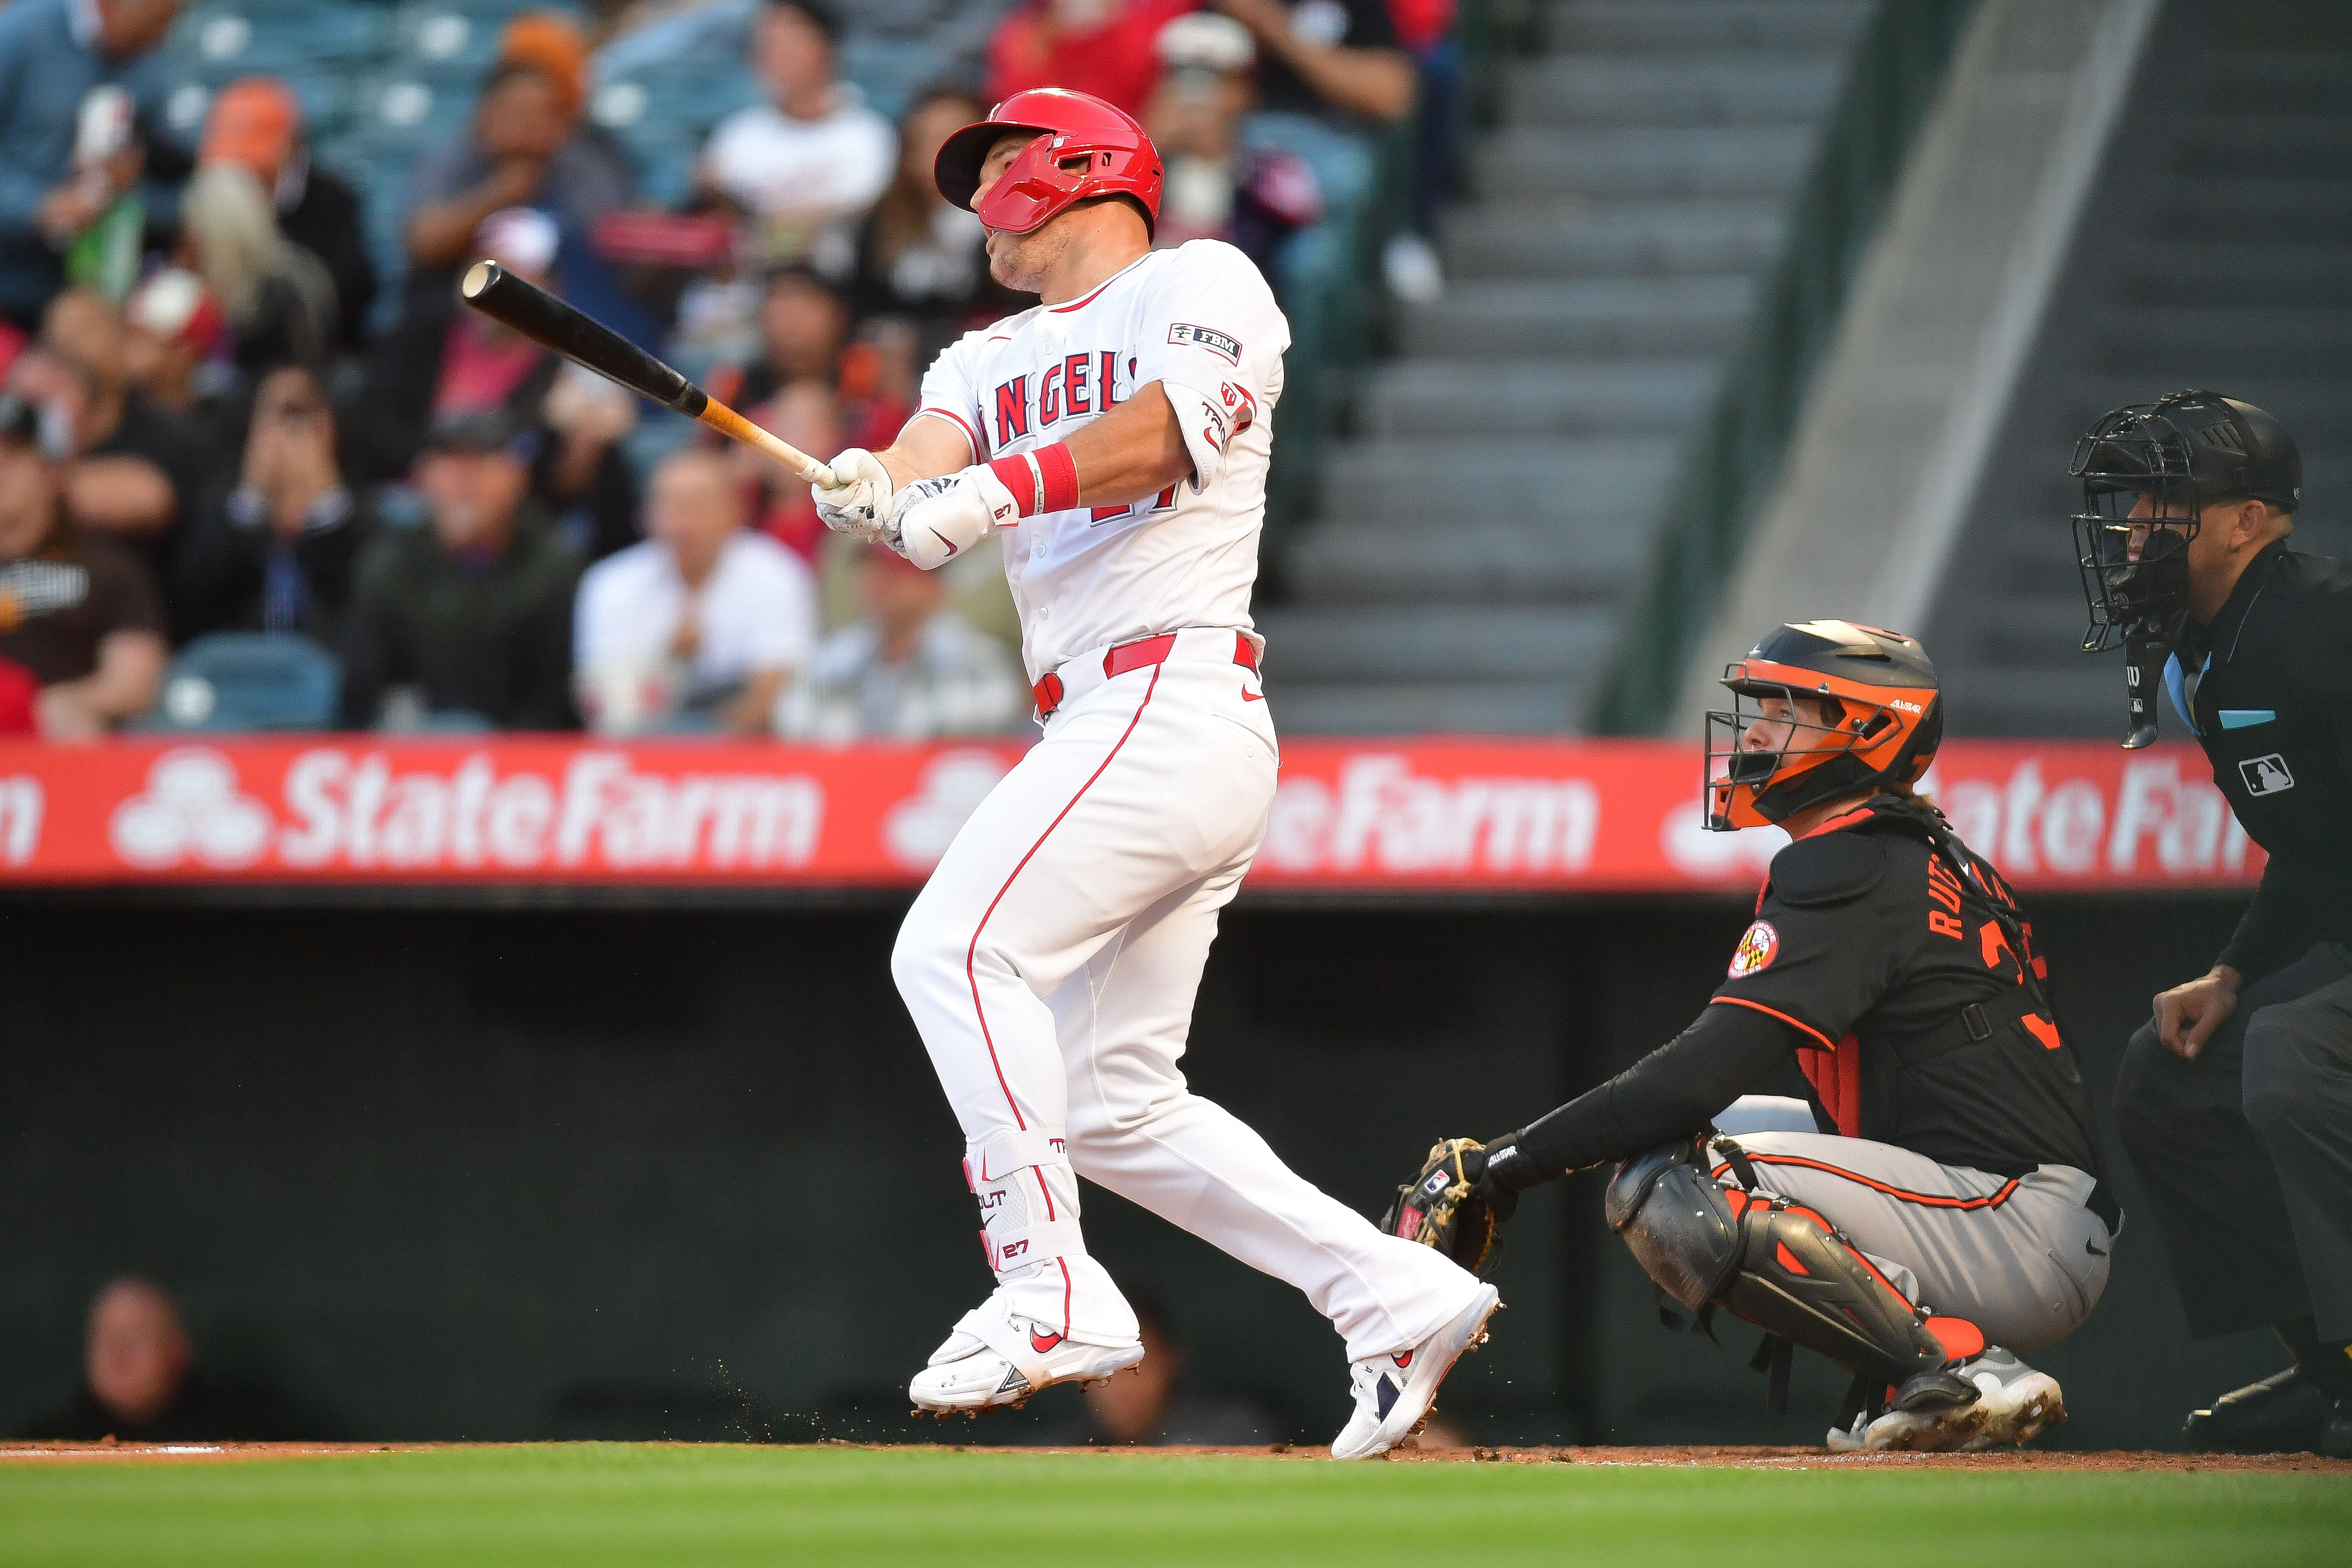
1138, 654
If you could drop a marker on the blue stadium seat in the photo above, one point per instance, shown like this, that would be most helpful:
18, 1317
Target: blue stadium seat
249, 680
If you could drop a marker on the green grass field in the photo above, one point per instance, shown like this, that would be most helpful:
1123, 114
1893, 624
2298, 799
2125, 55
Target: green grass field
612, 1503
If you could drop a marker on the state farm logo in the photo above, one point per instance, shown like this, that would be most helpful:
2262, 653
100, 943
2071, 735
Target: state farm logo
1385, 818
919, 829
193, 808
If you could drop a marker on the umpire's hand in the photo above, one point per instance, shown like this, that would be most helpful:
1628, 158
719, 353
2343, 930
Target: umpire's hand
2187, 1016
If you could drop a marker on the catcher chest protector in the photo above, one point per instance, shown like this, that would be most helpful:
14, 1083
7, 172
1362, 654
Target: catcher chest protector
1782, 1268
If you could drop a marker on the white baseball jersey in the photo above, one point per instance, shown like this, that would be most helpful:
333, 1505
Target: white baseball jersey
1198, 320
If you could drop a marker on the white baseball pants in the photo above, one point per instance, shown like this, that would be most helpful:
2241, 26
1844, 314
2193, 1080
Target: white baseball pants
1051, 965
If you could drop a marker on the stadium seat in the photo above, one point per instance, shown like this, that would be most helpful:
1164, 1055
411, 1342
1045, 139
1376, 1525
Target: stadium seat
249, 680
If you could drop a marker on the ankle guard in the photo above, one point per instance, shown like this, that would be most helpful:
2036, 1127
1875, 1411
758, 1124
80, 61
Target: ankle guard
1784, 1268
1028, 1199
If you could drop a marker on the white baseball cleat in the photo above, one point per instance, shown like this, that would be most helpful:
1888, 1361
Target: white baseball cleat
1393, 1393
1992, 1400
998, 1357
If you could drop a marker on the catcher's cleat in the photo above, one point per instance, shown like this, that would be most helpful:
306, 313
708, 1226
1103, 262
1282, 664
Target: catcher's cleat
1395, 1393
996, 1357
1990, 1400
2286, 1413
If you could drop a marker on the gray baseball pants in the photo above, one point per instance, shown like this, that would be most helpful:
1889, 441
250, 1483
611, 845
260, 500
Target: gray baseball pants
2021, 1258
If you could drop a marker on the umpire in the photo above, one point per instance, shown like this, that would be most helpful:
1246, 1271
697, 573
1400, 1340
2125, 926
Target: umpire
2235, 1100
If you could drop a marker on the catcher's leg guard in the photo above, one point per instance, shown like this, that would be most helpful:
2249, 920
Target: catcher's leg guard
1784, 1268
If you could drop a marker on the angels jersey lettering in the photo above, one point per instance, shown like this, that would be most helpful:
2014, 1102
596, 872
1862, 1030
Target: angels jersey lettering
1201, 321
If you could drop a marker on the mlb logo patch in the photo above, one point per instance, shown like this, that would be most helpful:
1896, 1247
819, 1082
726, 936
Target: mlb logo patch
2266, 774
1183, 334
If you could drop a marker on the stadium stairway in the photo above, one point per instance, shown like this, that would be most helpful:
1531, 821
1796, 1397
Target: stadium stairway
2216, 251
1481, 530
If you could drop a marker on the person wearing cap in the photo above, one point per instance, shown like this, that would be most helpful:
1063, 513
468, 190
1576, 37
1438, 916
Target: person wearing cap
908, 669
525, 146
171, 326
274, 550
256, 123
814, 153
77, 612
446, 360
53, 54
1252, 198
470, 618
2235, 1100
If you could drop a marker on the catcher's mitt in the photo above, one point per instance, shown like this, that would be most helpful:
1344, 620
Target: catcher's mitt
1442, 1206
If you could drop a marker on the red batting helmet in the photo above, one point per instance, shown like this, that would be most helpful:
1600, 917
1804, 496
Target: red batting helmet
1087, 149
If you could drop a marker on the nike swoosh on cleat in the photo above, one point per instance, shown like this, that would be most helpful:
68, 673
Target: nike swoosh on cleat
2095, 1251
1403, 1361
1249, 696
1041, 1344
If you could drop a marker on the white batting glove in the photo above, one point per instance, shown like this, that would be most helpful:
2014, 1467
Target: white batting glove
859, 506
934, 521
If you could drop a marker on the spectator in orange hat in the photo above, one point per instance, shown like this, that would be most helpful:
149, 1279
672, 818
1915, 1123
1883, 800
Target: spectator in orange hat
525, 147
258, 122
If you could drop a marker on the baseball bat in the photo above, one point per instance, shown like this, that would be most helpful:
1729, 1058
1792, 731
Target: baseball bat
550, 323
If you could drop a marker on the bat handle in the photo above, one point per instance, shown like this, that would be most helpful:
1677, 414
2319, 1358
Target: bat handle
729, 423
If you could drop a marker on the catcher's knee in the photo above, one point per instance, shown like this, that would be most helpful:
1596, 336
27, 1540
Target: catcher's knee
1784, 1270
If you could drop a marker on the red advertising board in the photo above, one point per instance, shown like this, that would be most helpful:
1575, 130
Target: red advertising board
1440, 815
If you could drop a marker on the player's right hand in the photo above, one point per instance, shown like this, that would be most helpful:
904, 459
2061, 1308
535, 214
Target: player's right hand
2187, 1016
860, 504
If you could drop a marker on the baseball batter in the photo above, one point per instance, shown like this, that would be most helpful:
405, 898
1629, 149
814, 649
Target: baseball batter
1116, 438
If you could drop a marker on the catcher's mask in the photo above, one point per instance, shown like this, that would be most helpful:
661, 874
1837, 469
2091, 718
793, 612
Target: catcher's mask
2148, 470
1819, 710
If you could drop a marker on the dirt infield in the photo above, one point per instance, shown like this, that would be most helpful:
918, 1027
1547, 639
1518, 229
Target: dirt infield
2033, 1459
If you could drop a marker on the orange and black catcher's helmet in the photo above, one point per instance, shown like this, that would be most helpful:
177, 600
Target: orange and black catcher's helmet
1862, 709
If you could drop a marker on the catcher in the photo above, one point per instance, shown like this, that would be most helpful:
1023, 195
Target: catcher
1949, 1212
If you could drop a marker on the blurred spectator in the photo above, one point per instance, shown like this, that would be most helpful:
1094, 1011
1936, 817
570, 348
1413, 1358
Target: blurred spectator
441, 361
700, 625
275, 552
1217, 189
1425, 29
921, 256
908, 669
524, 148
814, 153
1150, 1407
807, 415
75, 611
278, 296
53, 55
1101, 47
134, 469
172, 327
898, 50
467, 621
1327, 56
803, 326
258, 124
140, 1384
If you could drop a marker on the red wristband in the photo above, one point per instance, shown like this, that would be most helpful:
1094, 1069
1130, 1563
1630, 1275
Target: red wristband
1044, 480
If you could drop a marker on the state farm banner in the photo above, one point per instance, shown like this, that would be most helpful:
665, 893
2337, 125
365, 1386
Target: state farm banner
1441, 815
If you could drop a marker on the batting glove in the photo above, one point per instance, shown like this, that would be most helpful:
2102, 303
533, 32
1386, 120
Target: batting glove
934, 520
859, 506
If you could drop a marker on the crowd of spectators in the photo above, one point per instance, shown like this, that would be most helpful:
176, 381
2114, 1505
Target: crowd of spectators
221, 415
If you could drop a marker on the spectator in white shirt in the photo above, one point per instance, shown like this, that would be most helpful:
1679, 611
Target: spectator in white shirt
909, 669
814, 153
700, 625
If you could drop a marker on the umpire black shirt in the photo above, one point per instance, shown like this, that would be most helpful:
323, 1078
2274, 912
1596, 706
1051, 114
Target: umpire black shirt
2268, 688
